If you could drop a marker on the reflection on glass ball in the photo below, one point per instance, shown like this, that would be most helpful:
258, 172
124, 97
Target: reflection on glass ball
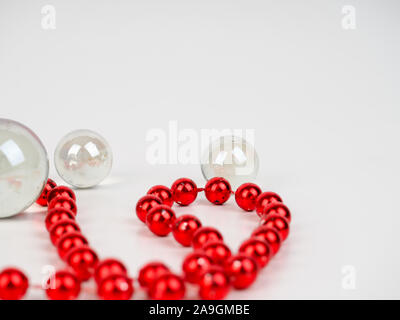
83, 158
232, 158
24, 168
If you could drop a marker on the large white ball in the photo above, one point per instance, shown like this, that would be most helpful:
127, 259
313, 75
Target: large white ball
24, 167
83, 158
232, 158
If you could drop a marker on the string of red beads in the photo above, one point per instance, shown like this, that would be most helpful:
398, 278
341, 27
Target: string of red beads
72, 246
211, 266
83, 263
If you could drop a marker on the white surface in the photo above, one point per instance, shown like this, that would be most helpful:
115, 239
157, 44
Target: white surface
324, 103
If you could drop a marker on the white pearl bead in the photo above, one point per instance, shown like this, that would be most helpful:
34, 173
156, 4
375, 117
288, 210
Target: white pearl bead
232, 158
24, 167
83, 158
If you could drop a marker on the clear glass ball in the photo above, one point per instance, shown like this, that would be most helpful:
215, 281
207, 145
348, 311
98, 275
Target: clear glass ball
232, 158
83, 158
24, 167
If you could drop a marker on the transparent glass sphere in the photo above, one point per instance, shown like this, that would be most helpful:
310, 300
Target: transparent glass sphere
232, 158
24, 167
83, 158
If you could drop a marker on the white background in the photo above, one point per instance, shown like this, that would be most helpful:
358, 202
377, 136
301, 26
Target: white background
323, 101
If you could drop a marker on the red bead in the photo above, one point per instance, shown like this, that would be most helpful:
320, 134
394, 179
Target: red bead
270, 235
242, 271
277, 208
184, 228
64, 285
218, 190
204, 235
115, 287
150, 272
61, 191
83, 260
265, 199
160, 220
278, 222
42, 200
246, 196
184, 191
109, 267
217, 251
63, 202
56, 215
162, 192
214, 284
195, 265
145, 204
257, 249
167, 287
13, 284
69, 241
62, 227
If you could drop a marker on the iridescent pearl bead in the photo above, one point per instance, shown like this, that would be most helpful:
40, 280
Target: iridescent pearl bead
83, 158
24, 168
232, 158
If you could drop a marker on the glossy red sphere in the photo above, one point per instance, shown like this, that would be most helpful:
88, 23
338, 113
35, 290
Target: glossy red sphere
218, 190
109, 267
55, 215
58, 229
184, 191
265, 199
115, 287
162, 192
42, 200
242, 271
160, 220
69, 241
218, 251
270, 235
64, 285
278, 222
61, 191
257, 249
150, 272
184, 228
195, 265
167, 287
214, 284
246, 196
277, 208
83, 260
204, 235
145, 204
63, 202
13, 284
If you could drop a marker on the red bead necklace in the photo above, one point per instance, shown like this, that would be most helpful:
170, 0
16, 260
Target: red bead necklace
211, 266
